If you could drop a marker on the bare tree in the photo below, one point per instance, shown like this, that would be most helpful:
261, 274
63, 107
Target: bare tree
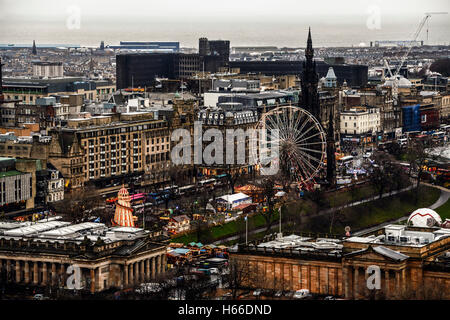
318, 196
240, 275
382, 174
80, 204
335, 216
417, 157
268, 190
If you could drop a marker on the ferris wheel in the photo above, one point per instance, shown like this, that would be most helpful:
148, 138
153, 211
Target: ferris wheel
301, 140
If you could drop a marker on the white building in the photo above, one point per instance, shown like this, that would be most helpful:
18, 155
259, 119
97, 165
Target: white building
55, 187
360, 120
47, 69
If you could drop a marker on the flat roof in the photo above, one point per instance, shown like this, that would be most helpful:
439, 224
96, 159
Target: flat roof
72, 229
35, 228
10, 173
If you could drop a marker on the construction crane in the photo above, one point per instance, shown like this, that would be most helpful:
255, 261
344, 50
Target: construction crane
429, 14
396, 78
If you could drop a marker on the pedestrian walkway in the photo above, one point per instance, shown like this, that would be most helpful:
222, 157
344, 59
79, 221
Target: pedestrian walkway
444, 197
323, 212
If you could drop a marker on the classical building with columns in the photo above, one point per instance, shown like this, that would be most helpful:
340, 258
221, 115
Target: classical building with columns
47, 253
393, 262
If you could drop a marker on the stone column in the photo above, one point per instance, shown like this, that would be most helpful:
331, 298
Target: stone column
386, 280
54, 275
131, 274
336, 281
18, 272
403, 280
35, 273
318, 280
27, 271
93, 281
147, 269
136, 272
355, 284
158, 265
142, 270
308, 268
164, 263
125, 275
397, 283
419, 288
44, 273
8, 269
346, 282
62, 273
153, 267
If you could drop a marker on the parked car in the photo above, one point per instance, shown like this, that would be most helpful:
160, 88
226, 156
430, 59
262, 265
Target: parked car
278, 294
257, 292
329, 298
301, 294
39, 296
243, 295
289, 294
227, 296
268, 293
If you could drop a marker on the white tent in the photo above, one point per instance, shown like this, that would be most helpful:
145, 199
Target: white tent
233, 200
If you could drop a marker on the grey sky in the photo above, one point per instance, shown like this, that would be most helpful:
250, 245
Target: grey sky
169, 9
243, 22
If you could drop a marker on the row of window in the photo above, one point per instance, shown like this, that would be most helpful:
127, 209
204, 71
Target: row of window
115, 131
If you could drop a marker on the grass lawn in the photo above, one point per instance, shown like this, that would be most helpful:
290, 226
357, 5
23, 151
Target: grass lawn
359, 217
341, 198
444, 210
382, 210
229, 229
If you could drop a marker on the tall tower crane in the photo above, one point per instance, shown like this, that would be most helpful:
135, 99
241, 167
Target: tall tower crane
396, 77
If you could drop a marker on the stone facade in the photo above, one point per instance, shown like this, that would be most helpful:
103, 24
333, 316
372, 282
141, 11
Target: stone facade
114, 265
411, 272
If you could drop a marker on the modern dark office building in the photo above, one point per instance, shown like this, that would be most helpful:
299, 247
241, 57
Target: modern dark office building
214, 53
355, 75
411, 118
141, 69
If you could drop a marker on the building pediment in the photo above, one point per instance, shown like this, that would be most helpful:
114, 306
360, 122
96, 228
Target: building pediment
379, 253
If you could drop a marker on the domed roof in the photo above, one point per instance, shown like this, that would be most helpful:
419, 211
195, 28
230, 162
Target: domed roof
424, 218
402, 82
123, 192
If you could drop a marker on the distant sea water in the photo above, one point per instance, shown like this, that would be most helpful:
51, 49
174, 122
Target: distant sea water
264, 32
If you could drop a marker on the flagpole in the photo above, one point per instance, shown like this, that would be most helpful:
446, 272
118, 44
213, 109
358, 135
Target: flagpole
279, 210
246, 229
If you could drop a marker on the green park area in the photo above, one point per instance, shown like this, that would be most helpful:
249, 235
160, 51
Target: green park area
444, 210
307, 216
387, 209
